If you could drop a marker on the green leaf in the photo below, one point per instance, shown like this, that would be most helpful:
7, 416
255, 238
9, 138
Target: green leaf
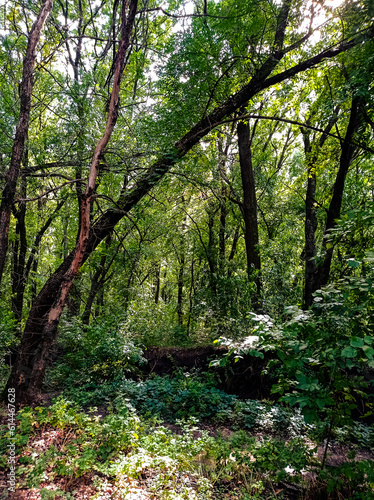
310, 416
280, 355
369, 351
256, 354
321, 403
349, 363
353, 263
356, 342
303, 379
303, 401
349, 352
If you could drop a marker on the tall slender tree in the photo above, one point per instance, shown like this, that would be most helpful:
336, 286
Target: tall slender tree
21, 134
249, 207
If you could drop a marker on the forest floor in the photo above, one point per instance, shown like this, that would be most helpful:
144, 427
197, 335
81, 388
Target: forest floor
181, 472
82, 488
142, 487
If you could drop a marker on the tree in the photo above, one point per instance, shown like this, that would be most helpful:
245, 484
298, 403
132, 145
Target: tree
249, 206
21, 131
317, 267
311, 154
348, 152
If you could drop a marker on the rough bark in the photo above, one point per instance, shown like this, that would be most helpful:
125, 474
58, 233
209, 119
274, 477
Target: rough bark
20, 138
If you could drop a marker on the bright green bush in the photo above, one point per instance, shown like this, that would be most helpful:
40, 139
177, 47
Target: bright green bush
320, 357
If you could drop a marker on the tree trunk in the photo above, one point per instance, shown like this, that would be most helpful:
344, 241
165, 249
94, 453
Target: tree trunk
100, 278
180, 289
21, 131
41, 328
211, 250
74, 300
22, 269
19, 257
223, 155
95, 285
249, 207
310, 229
234, 245
346, 158
190, 293
222, 231
99, 302
157, 283
318, 275
311, 155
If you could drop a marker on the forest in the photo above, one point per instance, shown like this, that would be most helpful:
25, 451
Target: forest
187, 249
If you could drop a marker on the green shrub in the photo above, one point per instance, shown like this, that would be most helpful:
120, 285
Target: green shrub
94, 354
355, 479
182, 396
320, 357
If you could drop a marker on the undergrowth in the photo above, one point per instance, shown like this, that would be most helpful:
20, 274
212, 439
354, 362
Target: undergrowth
125, 452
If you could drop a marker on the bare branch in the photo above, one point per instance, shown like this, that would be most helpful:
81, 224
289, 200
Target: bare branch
53, 190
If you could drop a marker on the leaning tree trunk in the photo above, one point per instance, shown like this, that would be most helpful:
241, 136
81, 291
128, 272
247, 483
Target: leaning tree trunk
21, 131
40, 332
